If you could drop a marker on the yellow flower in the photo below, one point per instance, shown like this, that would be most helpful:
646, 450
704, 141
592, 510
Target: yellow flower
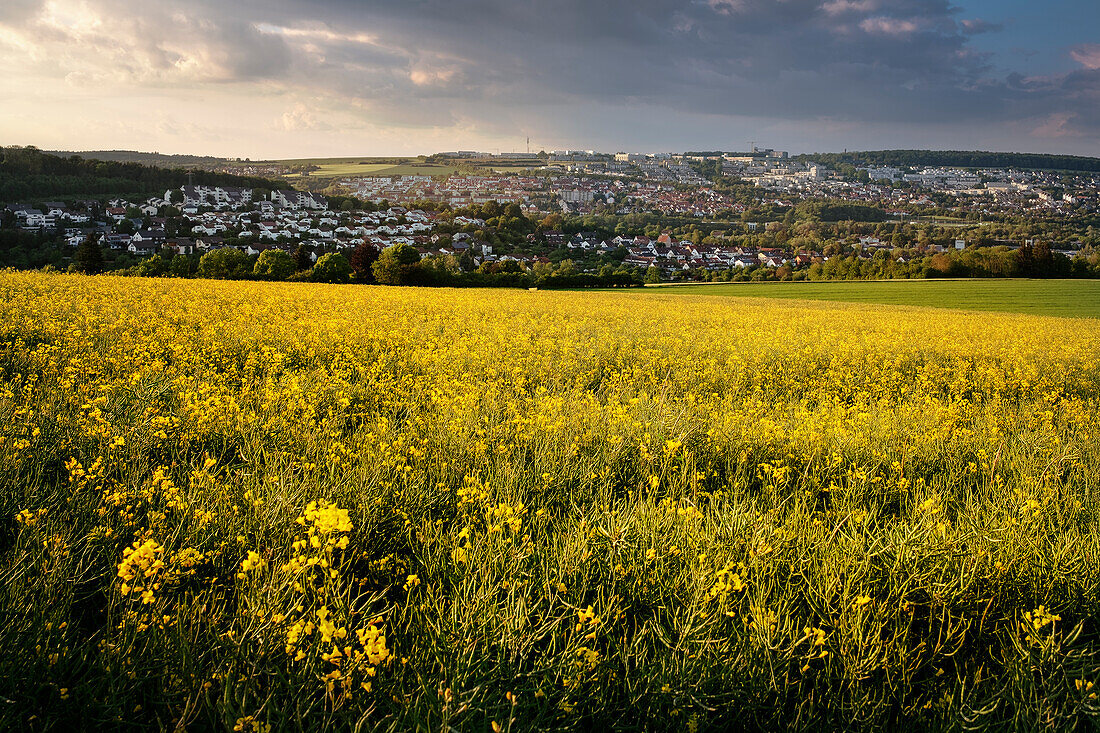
252, 562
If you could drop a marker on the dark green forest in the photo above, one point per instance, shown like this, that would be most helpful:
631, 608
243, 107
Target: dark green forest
28, 175
956, 159
160, 160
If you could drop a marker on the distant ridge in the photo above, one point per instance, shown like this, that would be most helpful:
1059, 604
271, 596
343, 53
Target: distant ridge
29, 174
159, 160
958, 159
898, 158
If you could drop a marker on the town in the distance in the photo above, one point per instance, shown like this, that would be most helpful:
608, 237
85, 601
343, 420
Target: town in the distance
569, 218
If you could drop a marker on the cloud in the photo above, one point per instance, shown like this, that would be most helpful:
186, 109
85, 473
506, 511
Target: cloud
488, 68
17, 11
301, 118
1088, 55
116, 42
976, 26
1055, 126
838, 7
889, 26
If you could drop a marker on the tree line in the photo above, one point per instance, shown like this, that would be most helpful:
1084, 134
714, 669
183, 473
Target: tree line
27, 173
955, 159
399, 264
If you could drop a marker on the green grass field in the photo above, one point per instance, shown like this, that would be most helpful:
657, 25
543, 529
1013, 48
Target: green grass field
1067, 298
413, 169
350, 169
338, 161
341, 167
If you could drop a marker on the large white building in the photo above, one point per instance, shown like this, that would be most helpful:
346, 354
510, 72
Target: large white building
219, 197
298, 200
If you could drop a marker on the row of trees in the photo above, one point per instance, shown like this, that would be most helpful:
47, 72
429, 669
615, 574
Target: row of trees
956, 159
402, 265
396, 265
972, 263
977, 263
28, 174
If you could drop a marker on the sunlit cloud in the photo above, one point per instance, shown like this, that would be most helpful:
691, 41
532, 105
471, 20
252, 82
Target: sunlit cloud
262, 77
889, 26
1088, 55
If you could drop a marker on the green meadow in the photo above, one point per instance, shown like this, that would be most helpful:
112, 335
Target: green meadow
342, 167
1066, 298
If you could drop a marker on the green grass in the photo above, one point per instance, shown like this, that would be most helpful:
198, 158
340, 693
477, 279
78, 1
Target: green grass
339, 170
1066, 298
341, 161
341, 167
349, 169
413, 169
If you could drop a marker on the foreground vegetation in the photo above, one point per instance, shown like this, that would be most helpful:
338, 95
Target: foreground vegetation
1067, 298
234, 505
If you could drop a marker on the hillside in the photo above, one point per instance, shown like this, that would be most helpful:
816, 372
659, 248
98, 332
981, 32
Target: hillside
957, 159
27, 174
159, 160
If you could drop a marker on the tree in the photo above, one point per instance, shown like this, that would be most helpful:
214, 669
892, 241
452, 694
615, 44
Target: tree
438, 270
542, 270
89, 256
301, 258
181, 266
652, 275
155, 266
331, 268
274, 264
466, 261
395, 264
227, 262
552, 222
363, 258
1043, 258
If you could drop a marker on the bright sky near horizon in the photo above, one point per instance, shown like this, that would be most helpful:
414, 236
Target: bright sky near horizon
312, 78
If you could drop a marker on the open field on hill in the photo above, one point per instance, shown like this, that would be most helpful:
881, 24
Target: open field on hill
1069, 298
341, 167
350, 169
227, 505
381, 169
341, 161
414, 169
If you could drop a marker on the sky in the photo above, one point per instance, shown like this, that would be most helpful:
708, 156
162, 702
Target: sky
313, 78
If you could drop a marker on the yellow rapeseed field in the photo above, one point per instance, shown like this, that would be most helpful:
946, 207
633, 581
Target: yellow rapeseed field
255, 507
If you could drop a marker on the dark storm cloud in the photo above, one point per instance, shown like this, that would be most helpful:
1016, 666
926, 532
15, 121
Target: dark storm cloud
436, 62
872, 60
